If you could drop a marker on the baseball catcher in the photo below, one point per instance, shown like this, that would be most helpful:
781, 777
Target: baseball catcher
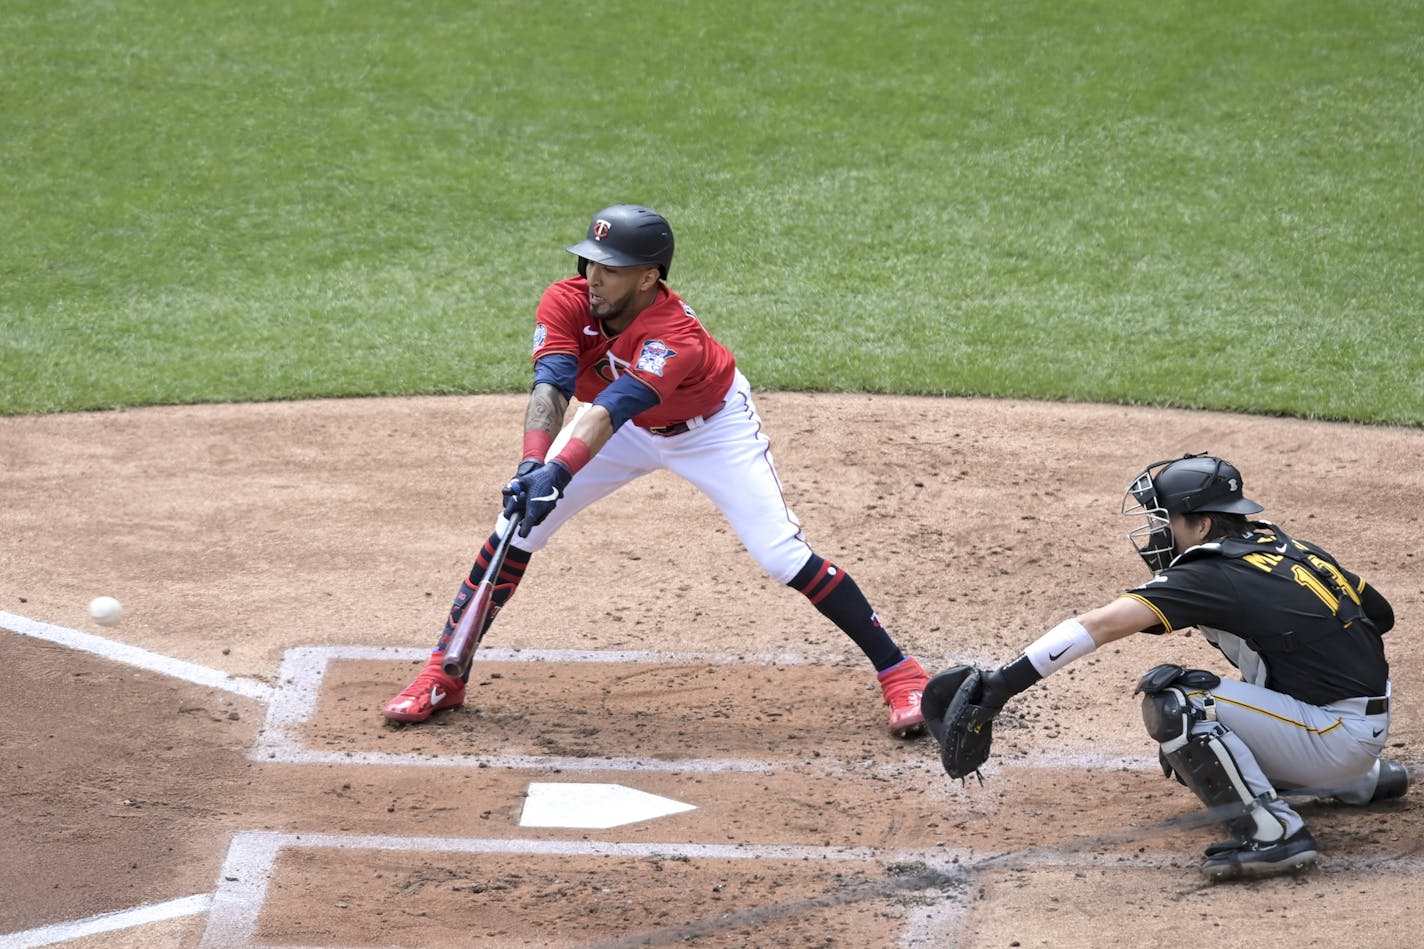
1310, 711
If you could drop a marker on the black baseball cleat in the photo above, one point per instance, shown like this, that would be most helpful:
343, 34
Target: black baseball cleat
1231, 860
1393, 781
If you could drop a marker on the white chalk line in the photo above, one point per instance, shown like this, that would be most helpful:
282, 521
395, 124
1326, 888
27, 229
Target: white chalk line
292, 703
135, 656
251, 860
242, 885
250, 865
108, 922
299, 679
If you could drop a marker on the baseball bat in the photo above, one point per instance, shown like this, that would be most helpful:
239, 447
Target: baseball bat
466, 638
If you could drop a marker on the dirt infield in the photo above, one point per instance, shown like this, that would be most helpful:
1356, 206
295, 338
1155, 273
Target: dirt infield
230, 780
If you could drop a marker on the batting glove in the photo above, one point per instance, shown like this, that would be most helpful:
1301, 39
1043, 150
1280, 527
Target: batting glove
541, 490
513, 500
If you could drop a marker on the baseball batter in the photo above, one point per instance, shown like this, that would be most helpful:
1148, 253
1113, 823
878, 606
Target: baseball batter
657, 391
1310, 711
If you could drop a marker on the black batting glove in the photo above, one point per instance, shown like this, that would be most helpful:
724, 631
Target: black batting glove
540, 491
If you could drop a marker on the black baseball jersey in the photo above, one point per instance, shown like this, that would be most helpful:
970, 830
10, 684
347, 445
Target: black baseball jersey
1282, 610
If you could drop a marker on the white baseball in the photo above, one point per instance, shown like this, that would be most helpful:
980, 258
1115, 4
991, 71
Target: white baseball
105, 610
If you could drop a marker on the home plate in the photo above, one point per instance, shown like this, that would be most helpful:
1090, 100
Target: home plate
593, 806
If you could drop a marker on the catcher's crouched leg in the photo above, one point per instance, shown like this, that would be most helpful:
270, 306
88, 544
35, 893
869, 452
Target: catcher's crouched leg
962, 728
1198, 753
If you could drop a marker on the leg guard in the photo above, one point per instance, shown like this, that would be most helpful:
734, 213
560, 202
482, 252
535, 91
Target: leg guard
1204, 764
1202, 761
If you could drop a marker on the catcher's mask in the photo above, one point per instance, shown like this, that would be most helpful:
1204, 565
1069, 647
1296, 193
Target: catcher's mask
1187, 485
626, 235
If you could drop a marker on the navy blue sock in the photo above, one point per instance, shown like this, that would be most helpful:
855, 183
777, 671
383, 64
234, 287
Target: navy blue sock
832, 591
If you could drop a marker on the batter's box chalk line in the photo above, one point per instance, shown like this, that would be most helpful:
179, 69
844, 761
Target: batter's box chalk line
250, 865
107, 922
299, 683
137, 657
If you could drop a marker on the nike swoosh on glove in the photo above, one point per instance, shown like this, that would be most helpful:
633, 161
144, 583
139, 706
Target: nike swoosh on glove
543, 489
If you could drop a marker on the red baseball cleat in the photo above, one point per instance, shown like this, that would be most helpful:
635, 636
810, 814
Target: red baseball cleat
431, 691
903, 685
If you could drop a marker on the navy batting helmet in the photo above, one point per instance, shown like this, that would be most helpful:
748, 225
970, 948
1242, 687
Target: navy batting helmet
1188, 485
1201, 483
626, 235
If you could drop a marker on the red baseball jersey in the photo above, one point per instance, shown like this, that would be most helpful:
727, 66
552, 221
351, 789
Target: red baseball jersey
666, 348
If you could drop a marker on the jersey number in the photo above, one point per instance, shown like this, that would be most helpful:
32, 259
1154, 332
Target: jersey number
1313, 582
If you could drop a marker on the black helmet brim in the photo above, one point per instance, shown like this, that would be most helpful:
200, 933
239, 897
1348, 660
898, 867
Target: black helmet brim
600, 253
1234, 506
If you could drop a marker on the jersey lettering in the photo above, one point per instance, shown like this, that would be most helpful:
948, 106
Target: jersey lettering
1265, 561
1314, 580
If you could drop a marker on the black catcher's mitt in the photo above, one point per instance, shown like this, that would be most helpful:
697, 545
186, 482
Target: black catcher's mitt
962, 726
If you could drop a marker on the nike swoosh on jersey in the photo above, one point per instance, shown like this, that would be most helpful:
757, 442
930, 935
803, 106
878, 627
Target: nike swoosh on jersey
590, 331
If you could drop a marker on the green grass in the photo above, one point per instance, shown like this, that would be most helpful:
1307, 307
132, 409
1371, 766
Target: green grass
1216, 205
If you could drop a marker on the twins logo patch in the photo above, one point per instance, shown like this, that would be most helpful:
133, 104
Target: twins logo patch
654, 356
541, 333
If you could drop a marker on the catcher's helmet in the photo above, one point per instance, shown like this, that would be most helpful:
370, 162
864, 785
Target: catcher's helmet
626, 235
1191, 484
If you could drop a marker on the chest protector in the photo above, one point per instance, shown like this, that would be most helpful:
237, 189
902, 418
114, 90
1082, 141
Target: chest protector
1282, 549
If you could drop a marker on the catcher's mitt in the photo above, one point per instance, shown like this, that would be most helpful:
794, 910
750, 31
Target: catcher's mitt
962, 726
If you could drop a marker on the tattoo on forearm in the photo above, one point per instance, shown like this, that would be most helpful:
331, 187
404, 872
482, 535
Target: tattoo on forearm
546, 409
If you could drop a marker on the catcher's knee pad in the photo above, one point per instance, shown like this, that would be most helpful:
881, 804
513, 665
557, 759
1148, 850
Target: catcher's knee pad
1168, 716
1166, 710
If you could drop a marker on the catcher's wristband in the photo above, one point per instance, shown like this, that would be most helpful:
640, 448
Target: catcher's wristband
1059, 646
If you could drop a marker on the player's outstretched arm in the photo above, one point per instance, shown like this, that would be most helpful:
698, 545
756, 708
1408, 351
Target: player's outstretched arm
961, 703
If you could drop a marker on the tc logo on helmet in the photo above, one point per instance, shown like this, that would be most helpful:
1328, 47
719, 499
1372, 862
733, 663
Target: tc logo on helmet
601, 229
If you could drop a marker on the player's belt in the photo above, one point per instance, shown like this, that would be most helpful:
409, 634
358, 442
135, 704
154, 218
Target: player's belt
677, 428
1377, 706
